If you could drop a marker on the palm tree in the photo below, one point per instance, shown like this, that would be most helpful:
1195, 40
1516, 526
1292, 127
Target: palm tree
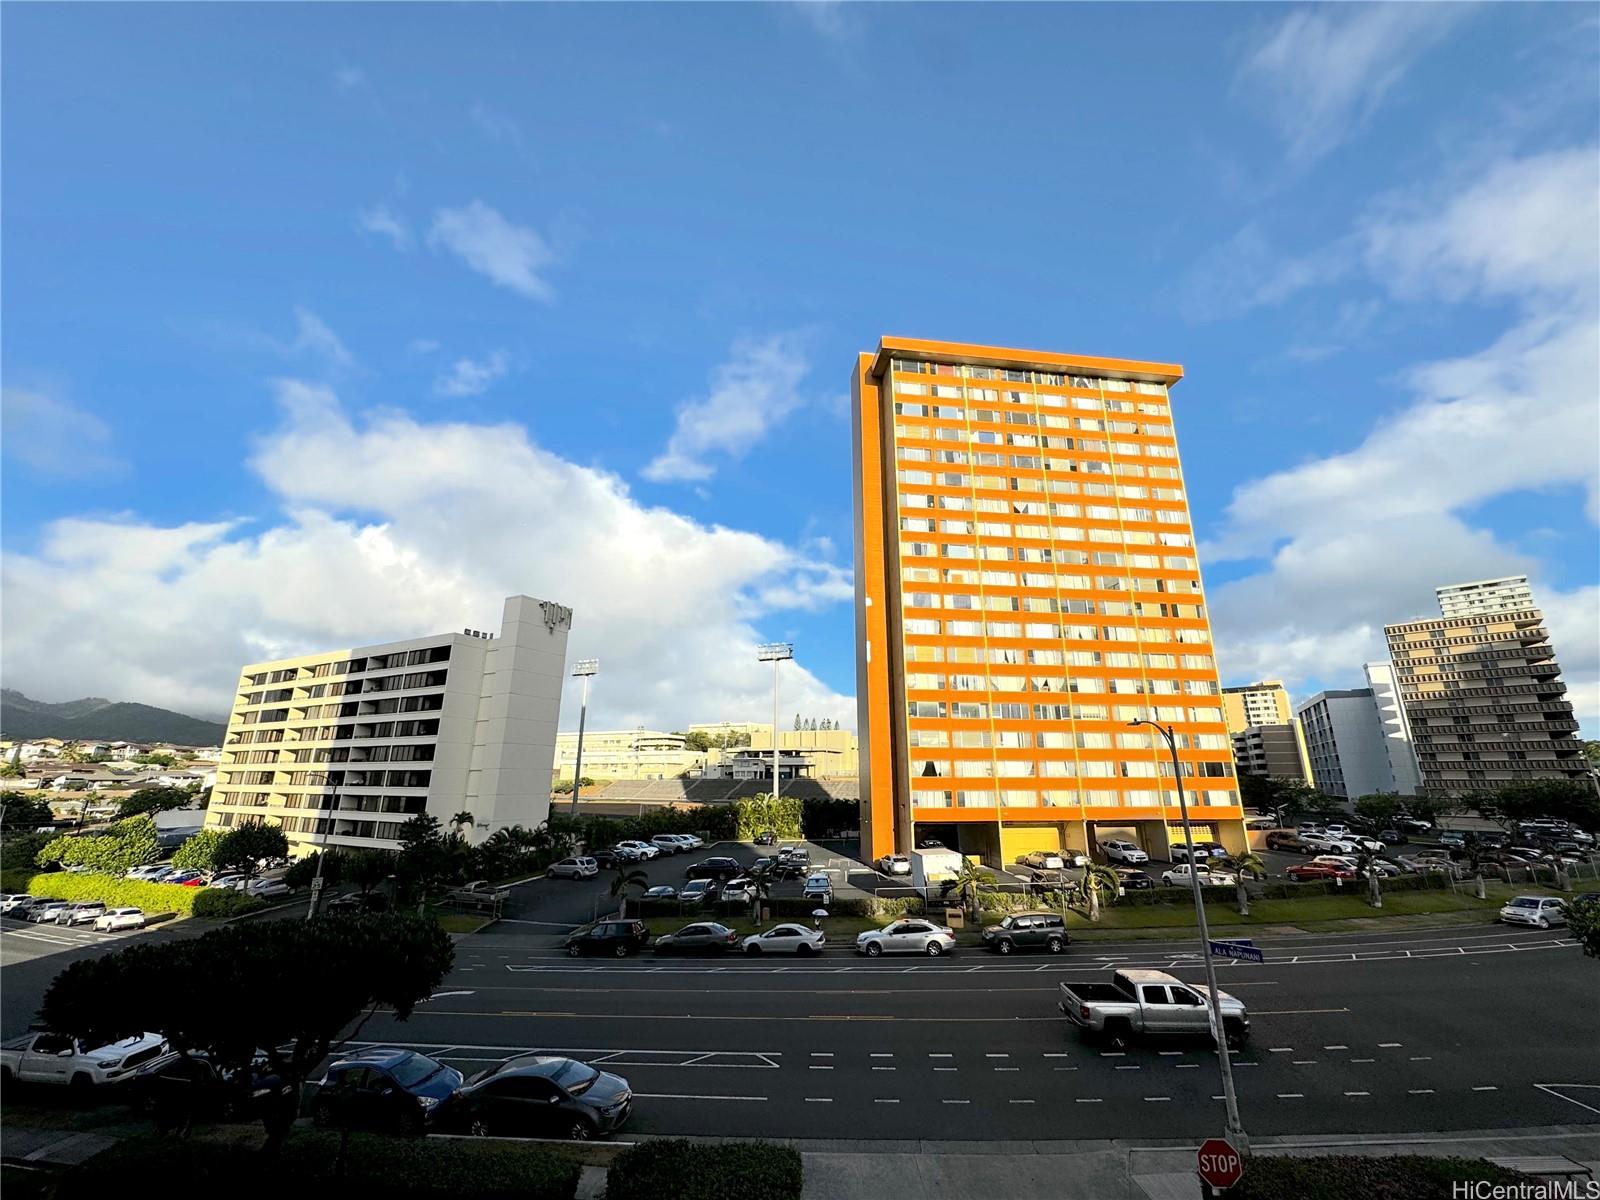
1367, 865
1098, 880
73, 752
461, 819
760, 889
969, 879
627, 879
1248, 863
1476, 854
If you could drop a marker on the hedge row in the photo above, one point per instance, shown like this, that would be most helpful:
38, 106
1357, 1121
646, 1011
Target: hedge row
1339, 1176
117, 893
376, 1166
687, 1170
217, 904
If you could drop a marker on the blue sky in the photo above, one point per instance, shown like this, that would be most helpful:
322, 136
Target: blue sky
340, 322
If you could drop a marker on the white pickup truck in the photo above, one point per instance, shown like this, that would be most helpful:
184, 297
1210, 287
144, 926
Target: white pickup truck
1149, 1002
56, 1058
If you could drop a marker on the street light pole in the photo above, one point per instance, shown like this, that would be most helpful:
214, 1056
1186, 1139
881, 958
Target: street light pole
584, 669
775, 653
1236, 1133
322, 850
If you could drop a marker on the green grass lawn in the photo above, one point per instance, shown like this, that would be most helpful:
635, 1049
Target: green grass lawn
461, 922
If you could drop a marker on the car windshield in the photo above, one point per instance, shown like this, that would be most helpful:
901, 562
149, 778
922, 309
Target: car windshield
415, 1070
1523, 902
576, 1077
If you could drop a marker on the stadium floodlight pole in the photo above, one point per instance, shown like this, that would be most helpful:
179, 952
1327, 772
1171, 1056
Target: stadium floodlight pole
583, 669
775, 653
322, 846
1236, 1133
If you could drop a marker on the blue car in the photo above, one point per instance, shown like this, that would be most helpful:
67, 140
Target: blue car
384, 1089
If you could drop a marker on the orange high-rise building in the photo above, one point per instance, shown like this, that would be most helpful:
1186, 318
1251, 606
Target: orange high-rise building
1026, 585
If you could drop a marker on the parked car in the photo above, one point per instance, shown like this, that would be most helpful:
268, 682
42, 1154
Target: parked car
1214, 849
700, 938
1043, 860
1363, 842
15, 904
699, 891
785, 939
818, 887
1132, 880
714, 868
84, 912
540, 1096
1453, 839
637, 850
231, 882
910, 936
193, 1083
579, 867
1543, 911
1137, 1002
667, 844
1123, 852
1310, 872
114, 919
894, 864
384, 1089
1285, 839
606, 857
791, 868
357, 903
1414, 824
42, 911
1028, 931
267, 889
185, 878
740, 890
662, 891
148, 873
618, 938
44, 1057
1392, 836
1179, 875
766, 838
930, 844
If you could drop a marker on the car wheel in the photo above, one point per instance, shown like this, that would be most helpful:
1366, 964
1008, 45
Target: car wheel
580, 1130
935, 949
6, 1077
1054, 945
620, 950
873, 949
752, 949
478, 1127
321, 1116
1544, 922
1117, 1035
574, 950
80, 1086
1004, 946
411, 1124
1236, 1034
805, 950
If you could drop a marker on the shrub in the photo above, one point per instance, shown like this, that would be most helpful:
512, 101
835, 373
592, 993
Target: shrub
22, 849
1335, 1177
694, 1171
217, 904
376, 1166
117, 893
754, 814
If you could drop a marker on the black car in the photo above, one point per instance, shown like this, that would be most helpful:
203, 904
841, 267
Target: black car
541, 1096
766, 838
1028, 931
762, 866
930, 844
1392, 837
385, 1089
1134, 881
192, 1085
355, 904
604, 858
714, 868
791, 868
617, 938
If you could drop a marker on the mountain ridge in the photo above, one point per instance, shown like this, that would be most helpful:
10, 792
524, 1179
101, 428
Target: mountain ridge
104, 720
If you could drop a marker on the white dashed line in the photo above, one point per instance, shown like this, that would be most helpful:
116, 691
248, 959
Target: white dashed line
1358, 1093
886, 1102
1486, 1089
1417, 1058
821, 1054
997, 1056
1058, 1056
1291, 1095
1304, 1062
1008, 1068
876, 1055
1019, 1101
1127, 1068
947, 1068
1420, 1092
1187, 1066
1336, 1047
1170, 1053
1390, 1045
815, 1067
955, 1102
819, 1099
1156, 1099
883, 1068
1356, 1060
1281, 1049
1112, 1054
1085, 1100
941, 1056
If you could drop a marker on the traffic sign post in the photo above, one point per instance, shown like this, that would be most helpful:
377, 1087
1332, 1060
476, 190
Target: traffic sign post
1219, 1165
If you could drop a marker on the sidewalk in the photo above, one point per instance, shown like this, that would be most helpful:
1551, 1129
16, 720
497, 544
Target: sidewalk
1121, 1170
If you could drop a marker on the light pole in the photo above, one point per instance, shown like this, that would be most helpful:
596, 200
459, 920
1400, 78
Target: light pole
322, 849
775, 653
1236, 1133
583, 669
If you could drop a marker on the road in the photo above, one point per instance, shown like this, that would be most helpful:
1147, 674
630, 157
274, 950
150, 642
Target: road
1403, 1031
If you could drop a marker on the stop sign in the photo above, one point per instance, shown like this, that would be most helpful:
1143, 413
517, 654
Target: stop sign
1219, 1163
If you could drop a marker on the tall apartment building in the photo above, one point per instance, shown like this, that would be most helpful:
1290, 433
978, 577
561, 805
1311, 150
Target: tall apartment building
1510, 593
342, 747
1026, 585
1275, 751
1345, 740
1397, 747
1484, 701
1264, 703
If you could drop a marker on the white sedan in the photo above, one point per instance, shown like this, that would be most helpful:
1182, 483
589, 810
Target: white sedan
1124, 852
894, 864
1179, 877
120, 918
911, 936
785, 939
638, 850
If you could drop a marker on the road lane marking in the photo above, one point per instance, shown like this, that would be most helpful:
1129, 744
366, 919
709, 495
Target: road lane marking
1127, 1068
682, 1096
1551, 1088
1488, 1088
1058, 1055
1358, 1093
1112, 1054
822, 1054
1291, 1095
1156, 1099
1008, 1068
1298, 1012
1389, 1045
941, 1056
886, 1102
1019, 1101
955, 1102
997, 1056
815, 1067
1420, 1092
1414, 1058
879, 1055
1170, 1053
947, 1068
1088, 1100
1303, 1062
1336, 1047
1187, 1066
1356, 1060
883, 1068
1281, 1049
819, 1099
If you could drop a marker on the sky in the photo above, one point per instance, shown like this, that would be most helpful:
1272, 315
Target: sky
326, 325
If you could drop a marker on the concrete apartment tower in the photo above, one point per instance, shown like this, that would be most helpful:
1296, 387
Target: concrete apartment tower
1264, 703
343, 746
1026, 584
1482, 692
1267, 738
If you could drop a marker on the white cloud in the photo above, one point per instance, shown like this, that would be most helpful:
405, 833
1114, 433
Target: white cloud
470, 377
423, 346
348, 78
385, 222
52, 436
1358, 539
510, 255
394, 527
496, 125
750, 393
1320, 73
827, 17
312, 336
1247, 271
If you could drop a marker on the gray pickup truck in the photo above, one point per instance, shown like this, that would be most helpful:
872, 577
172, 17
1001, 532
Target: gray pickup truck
1149, 1002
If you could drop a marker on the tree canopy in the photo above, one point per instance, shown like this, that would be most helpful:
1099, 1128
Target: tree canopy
1567, 800
155, 799
127, 844
25, 811
243, 846
199, 853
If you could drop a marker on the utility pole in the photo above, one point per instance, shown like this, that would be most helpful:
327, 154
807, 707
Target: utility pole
322, 850
584, 669
1236, 1133
775, 653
